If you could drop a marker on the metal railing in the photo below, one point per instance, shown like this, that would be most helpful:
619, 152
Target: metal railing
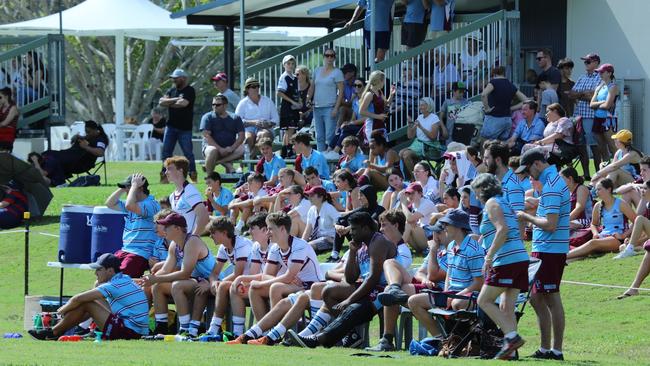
33, 67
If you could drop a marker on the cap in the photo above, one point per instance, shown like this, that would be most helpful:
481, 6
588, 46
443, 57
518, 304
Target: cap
451, 155
173, 219
107, 260
530, 157
316, 190
624, 136
220, 76
251, 81
437, 228
605, 67
126, 183
591, 57
413, 187
288, 58
459, 85
178, 73
456, 218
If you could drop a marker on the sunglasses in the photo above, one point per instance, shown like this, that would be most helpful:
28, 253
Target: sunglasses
217, 104
540, 58
253, 86
330, 55
358, 85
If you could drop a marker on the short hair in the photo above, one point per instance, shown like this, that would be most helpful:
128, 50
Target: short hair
498, 70
349, 68
547, 52
288, 171
303, 138
279, 219
221, 223
531, 104
162, 214
256, 177
607, 184
645, 160
259, 220
363, 219
557, 108
513, 162
311, 170
473, 151
350, 140
500, 150
378, 137
214, 176
452, 192
264, 142
221, 98
395, 216
565, 62
179, 162
489, 184
394, 171
348, 177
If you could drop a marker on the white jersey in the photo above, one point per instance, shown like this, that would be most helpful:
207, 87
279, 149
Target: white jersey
185, 203
241, 251
259, 256
404, 256
299, 252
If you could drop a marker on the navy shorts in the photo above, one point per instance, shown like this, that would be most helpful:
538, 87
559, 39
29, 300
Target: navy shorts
382, 39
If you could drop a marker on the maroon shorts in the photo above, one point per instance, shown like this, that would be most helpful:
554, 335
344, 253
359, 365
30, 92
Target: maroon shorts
132, 264
513, 275
115, 329
646, 245
550, 272
418, 286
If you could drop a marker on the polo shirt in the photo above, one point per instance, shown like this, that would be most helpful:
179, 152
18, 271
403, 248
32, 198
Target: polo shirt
414, 12
139, 236
512, 250
127, 301
223, 130
318, 161
441, 258
555, 199
271, 168
513, 192
382, 19
464, 263
263, 110
529, 134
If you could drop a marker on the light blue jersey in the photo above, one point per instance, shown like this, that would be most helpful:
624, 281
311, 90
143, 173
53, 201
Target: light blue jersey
464, 262
139, 235
555, 199
513, 249
128, 302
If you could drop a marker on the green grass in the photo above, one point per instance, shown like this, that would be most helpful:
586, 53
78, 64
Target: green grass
599, 330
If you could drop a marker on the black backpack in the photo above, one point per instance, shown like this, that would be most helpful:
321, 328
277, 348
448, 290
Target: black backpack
90, 180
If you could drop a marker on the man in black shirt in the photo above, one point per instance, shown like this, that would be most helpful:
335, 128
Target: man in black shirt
550, 72
180, 101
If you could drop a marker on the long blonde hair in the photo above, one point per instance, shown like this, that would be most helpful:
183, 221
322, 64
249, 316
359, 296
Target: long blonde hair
375, 78
305, 69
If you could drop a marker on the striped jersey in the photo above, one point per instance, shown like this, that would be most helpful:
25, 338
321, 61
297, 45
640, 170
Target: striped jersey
185, 203
513, 249
299, 252
128, 302
464, 262
555, 199
441, 258
241, 251
513, 192
139, 235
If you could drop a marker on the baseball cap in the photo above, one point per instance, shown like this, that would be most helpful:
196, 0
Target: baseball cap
173, 219
624, 136
437, 228
288, 58
456, 218
107, 260
126, 183
316, 190
459, 85
605, 67
178, 73
414, 187
220, 76
530, 157
591, 57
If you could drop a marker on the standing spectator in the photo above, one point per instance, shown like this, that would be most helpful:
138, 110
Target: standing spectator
473, 61
528, 130
8, 119
549, 72
306, 111
383, 25
442, 16
450, 108
374, 105
550, 245
604, 102
290, 104
220, 82
13, 204
407, 93
327, 96
159, 122
497, 103
426, 132
496, 157
445, 76
582, 91
180, 101
414, 29
349, 76
258, 112
566, 84
223, 136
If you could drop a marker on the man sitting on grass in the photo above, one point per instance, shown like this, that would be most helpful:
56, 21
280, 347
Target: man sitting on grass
117, 305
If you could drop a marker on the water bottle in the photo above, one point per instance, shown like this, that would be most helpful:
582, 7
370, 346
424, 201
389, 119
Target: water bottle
38, 322
98, 336
169, 338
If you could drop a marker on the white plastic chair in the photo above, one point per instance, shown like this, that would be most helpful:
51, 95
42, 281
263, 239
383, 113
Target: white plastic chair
78, 128
111, 131
138, 142
60, 136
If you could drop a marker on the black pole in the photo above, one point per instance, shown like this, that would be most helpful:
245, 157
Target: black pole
229, 54
26, 216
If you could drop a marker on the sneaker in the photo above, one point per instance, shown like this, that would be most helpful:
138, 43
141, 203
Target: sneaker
161, 328
352, 340
384, 345
163, 178
627, 252
78, 330
541, 355
331, 155
553, 356
210, 337
185, 336
288, 341
157, 337
393, 296
331, 259
304, 342
264, 341
242, 339
43, 334
510, 346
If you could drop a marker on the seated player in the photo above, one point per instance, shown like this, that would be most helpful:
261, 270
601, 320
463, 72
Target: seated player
269, 164
313, 179
307, 156
297, 207
285, 180
321, 217
244, 203
218, 197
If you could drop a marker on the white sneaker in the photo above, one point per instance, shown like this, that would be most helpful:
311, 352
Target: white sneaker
627, 252
332, 155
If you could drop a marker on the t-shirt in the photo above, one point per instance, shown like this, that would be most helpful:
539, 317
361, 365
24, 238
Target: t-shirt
224, 198
529, 134
430, 190
223, 130
439, 14
271, 168
303, 207
383, 19
427, 209
318, 161
185, 203
325, 87
555, 199
553, 73
501, 97
470, 63
549, 96
464, 263
139, 236
260, 256
233, 100
127, 301
299, 252
427, 123
240, 252
264, 109
353, 164
181, 118
414, 12
326, 219
162, 123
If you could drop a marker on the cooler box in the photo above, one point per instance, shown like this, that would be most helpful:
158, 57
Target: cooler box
74, 234
107, 229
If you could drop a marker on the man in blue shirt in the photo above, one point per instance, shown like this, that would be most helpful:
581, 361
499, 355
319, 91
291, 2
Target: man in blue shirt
307, 156
139, 237
383, 24
550, 244
269, 164
117, 305
414, 29
496, 157
528, 130
223, 136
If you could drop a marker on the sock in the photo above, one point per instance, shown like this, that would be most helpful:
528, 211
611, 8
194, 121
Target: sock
215, 325
314, 306
238, 325
194, 327
335, 254
255, 332
556, 352
277, 332
184, 321
543, 350
86, 324
317, 323
511, 335
161, 318
389, 337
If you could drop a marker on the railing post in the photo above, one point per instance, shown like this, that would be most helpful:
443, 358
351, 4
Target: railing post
242, 46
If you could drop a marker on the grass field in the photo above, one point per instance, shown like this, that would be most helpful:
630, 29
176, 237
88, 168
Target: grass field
599, 330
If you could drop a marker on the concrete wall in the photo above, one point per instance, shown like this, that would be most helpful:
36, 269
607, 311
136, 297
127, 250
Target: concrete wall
618, 31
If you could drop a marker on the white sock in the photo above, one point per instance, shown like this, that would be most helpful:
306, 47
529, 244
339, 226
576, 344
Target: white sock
511, 335
255, 332
161, 318
184, 321
238, 325
314, 306
215, 324
317, 323
556, 352
86, 324
277, 332
194, 327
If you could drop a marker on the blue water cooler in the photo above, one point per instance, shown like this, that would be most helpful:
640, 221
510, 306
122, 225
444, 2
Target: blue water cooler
107, 229
74, 234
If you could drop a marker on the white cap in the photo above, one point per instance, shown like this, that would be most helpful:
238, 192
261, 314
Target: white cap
288, 58
178, 73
